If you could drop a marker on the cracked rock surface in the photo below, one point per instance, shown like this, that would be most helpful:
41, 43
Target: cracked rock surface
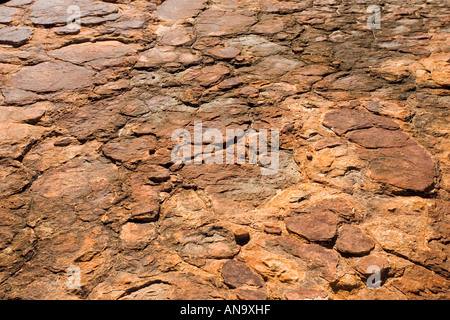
87, 179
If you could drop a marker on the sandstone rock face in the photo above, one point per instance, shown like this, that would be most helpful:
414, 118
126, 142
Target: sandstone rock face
88, 180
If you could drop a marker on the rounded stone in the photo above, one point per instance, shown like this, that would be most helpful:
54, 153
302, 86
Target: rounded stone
352, 240
319, 226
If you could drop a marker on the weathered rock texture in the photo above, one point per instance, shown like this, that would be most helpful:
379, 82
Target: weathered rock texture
86, 176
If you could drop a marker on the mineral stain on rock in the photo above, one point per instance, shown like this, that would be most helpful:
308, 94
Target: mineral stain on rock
87, 177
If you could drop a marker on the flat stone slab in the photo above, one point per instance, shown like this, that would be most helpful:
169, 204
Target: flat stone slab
213, 22
237, 274
161, 55
345, 120
273, 67
410, 167
319, 226
206, 76
15, 36
176, 35
17, 96
51, 13
85, 52
93, 21
256, 45
224, 52
51, 77
175, 10
25, 115
365, 264
374, 138
394, 157
127, 24
6, 14
18, 3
